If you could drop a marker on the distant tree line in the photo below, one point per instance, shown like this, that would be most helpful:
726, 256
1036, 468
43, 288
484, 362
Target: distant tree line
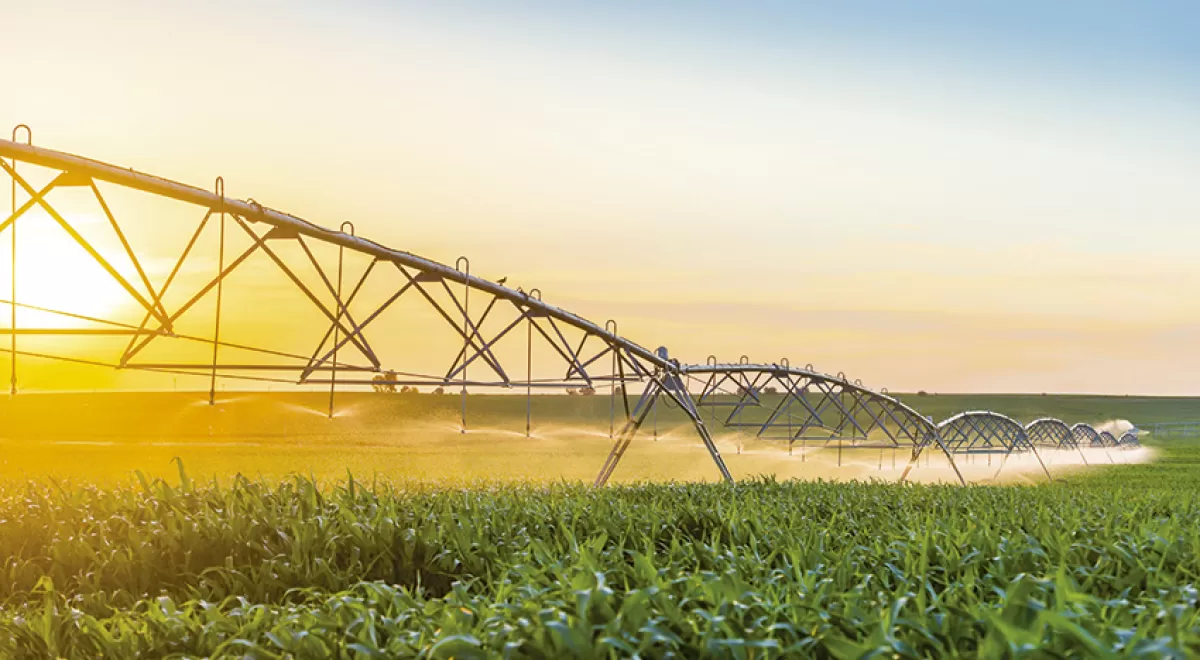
386, 384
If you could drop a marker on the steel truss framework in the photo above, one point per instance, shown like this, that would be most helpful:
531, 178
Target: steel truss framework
1049, 432
985, 432
782, 402
1129, 439
1086, 436
468, 304
331, 271
979, 431
1055, 434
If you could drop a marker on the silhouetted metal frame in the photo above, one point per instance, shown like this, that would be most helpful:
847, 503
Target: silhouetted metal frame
810, 401
547, 319
265, 227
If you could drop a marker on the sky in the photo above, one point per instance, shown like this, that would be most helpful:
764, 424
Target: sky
979, 197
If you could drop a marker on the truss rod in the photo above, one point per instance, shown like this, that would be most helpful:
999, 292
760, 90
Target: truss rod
255, 213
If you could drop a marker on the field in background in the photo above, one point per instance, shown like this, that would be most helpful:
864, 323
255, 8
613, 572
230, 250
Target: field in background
1070, 408
104, 437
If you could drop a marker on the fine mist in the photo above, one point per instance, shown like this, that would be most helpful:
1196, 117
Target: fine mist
107, 436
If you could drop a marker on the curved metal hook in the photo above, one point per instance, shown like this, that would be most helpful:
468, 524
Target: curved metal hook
347, 224
613, 324
745, 359
28, 133
219, 189
536, 293
810, 367
785, 362
841, 375
711, 360
858, 382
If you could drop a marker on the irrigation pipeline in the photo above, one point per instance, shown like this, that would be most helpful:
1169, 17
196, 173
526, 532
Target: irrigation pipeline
810, 400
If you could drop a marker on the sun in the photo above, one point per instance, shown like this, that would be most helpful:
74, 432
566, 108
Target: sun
54, 272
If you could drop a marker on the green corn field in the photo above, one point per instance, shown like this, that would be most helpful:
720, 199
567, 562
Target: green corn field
1102, 565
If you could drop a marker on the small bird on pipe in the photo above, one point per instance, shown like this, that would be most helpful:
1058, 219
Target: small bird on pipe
502, 280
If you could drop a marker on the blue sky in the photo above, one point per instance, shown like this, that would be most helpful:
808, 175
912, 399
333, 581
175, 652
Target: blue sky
1081, 44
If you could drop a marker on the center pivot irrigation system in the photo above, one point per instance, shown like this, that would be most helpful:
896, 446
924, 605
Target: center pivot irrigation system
351, 282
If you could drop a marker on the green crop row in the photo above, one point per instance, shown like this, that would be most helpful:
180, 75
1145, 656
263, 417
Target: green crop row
1105, 565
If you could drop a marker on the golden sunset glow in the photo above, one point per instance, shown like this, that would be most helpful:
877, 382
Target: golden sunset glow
935, 213
55, 272
648, 328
